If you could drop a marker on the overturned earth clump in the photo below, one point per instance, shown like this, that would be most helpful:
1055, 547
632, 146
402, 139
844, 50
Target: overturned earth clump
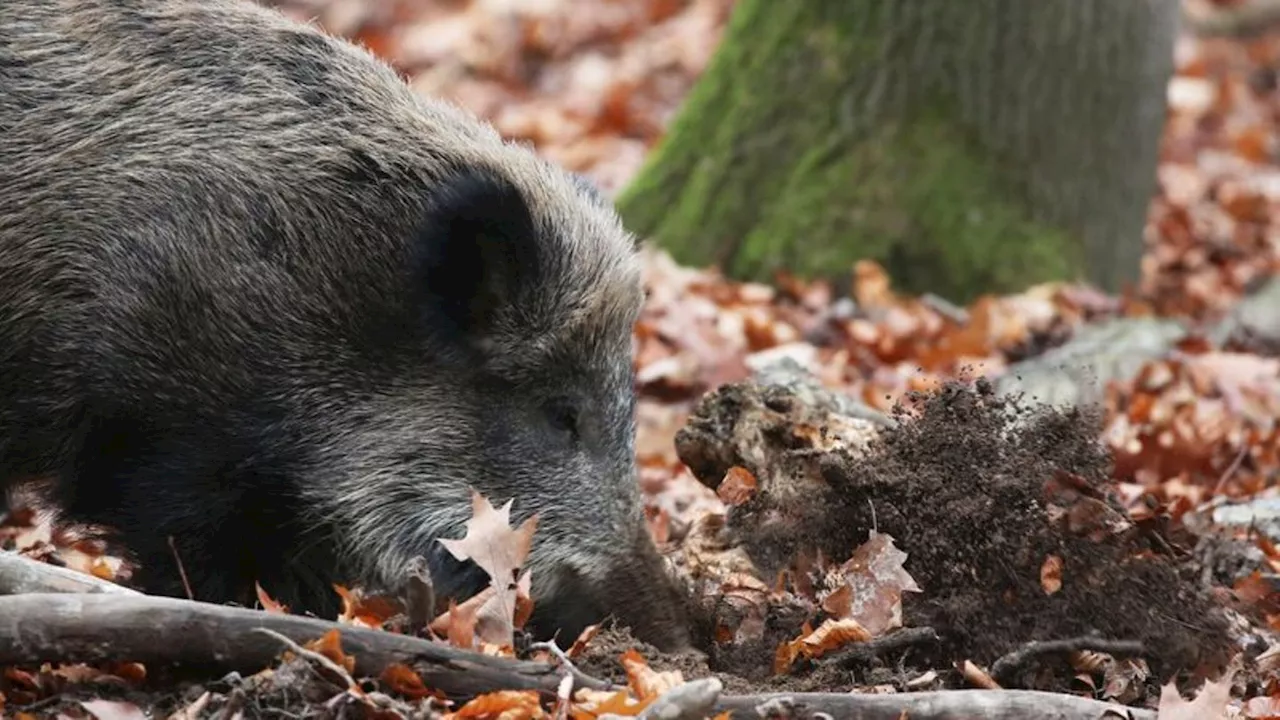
1005, 511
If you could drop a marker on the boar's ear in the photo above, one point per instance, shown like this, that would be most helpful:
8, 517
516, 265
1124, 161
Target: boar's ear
477, 251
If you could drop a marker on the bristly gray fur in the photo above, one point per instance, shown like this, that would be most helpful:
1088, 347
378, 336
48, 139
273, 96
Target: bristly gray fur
257, 295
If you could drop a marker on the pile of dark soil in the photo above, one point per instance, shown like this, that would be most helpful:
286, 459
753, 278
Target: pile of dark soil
979, 491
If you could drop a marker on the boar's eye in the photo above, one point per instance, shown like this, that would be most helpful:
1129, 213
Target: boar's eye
564, 417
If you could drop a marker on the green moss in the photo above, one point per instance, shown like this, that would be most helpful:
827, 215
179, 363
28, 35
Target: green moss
765, 96
802, 148
917, 198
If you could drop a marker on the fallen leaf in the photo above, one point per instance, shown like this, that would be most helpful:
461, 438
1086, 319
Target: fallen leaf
458, 623
400, 678
363, 610
113, 710
645, 682
501, 705
591, 704
976, 676
1051, 574
268, 603
1210, 702
738, 486
500, 551
580, 644
876, 580
194, 709
830, 635
330, 646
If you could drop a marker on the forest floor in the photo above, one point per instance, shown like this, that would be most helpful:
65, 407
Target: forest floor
997, 527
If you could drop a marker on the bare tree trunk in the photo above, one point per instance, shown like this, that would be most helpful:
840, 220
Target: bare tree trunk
969, 146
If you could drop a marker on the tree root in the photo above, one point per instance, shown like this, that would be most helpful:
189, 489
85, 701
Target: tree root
896, 640
1007, 666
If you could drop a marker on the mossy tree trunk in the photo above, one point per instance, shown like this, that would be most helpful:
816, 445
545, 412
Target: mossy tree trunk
968, 146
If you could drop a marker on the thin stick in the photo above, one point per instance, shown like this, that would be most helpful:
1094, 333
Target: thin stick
896, 640
1231, 469
181, 570
583, 679
1007, 665
311, 655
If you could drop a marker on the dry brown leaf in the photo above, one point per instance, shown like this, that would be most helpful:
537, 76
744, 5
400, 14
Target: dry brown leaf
976, 676
193, 710
132, 672
738, 486
113, 710
1051, 574
496, 618
492, 544
1262, 708
1210, 702
645, 682
876, 579
363, 610
330, 646
524, 600
591, 704
580, 644
839, 602
458, 623
501, 705
400, 678
1124, 680
269, 603
830, 635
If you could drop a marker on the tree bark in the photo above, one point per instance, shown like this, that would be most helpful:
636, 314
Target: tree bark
20, 575
967, 146
162, 631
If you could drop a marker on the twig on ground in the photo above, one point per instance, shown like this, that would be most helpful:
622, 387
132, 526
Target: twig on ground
871, 649
946, 308
182, 571
312, 655
582, 678
1229, 471
935, 705
1004, 668
20, 575
693, 700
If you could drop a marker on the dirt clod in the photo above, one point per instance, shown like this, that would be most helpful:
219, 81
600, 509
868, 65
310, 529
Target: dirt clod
983, 494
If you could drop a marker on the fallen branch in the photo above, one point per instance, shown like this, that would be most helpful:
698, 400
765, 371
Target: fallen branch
158, 631
690, 701
862, 652
164, 631
1008, 665
936, 705
20, 574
